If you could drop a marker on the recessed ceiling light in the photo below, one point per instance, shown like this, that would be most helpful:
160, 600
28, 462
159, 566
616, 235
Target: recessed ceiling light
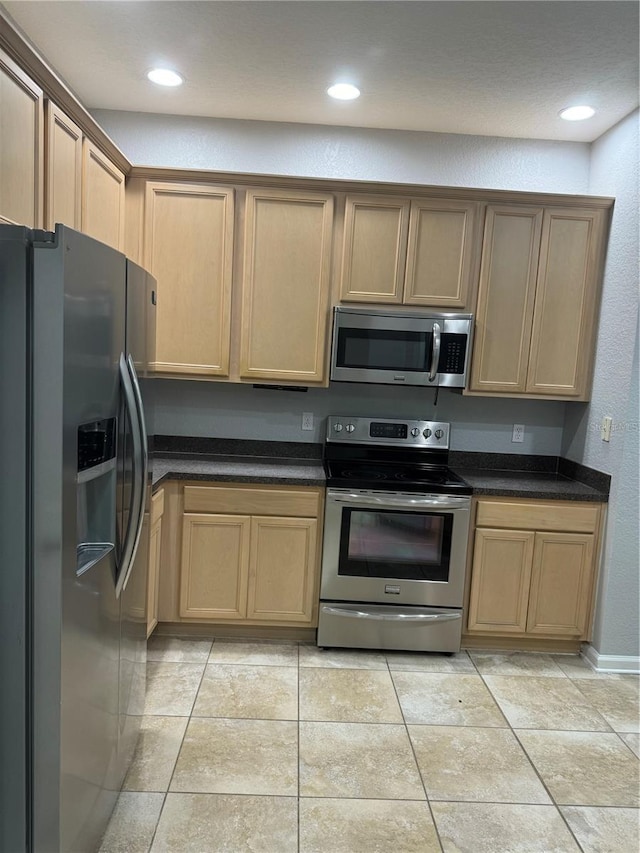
577, 113
344, 91
165, 77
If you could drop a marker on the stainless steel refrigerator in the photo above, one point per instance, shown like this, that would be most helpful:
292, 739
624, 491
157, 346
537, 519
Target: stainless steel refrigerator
76, 319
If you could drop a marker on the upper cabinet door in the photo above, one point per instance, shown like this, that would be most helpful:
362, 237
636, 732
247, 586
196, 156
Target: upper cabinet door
102, 197
375, 249
505, 299
188, 247
285, 285
21, 146
440, 253
63, 178
566, 305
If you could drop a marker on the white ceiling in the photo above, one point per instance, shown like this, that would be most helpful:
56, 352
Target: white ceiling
488, 68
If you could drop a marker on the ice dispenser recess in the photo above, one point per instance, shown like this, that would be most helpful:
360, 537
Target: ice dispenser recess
96, 492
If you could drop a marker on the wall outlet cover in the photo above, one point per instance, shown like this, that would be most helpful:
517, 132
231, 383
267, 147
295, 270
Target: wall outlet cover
307, 420
518, 433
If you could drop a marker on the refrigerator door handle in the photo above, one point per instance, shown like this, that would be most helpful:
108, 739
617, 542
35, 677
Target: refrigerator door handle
128, 548
141, 468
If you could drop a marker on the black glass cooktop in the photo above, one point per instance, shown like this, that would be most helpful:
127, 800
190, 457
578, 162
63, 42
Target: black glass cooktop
394, 476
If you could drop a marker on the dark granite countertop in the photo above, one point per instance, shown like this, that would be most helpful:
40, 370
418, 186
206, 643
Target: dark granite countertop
237, 469
300, 464
545, 485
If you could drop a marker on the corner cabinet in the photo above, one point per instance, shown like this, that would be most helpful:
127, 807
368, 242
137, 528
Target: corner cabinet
408, 251
21, 146
533, 570
538, 301
188, 246
286, 261
250, 554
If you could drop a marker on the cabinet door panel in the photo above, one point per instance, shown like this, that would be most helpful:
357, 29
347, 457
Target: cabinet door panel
566, 303
285, 289
282, 569
63, 181
155, 540
188, 248
439, 253
505, 299
214, 566
102, 197
561, 584
375, 249
500, 580
21, 146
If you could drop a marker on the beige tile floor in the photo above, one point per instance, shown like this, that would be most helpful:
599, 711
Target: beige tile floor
280, 748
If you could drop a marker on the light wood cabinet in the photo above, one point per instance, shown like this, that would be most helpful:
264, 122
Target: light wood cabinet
285, 285
215, 566
21, 146
63, 169
501, 580
188, 247
102, 197
533, 582
256, 563
410, 251
375, 249
439, 253
281, 568
537, 302
155, 544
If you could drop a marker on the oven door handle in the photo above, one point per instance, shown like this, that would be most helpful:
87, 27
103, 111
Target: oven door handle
444, 502
447, 616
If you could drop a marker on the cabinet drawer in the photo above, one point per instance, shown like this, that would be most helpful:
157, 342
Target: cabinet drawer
304, 503
581, 518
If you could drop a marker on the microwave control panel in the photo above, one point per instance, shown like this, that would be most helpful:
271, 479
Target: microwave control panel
453, 352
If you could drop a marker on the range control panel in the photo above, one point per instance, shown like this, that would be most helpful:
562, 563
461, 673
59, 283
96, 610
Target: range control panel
385, 431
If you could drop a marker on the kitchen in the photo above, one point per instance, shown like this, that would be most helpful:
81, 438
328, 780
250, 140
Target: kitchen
552, 428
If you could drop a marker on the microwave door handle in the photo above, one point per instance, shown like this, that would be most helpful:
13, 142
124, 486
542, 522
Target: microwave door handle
435, 352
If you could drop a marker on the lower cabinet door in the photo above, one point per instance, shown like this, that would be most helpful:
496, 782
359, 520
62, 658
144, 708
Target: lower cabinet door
214, 566
500, 580
155, 539
561, 582
282, 569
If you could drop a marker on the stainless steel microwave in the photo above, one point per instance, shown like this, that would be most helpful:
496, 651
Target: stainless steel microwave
401, 348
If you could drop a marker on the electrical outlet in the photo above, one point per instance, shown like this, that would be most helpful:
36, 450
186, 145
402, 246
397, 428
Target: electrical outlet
307, 420
518, 433
605, 430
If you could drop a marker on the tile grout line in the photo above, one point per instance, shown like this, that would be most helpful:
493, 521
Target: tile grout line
533, 766
298, 761
424, 787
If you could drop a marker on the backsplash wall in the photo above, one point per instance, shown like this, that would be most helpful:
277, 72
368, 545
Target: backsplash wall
220, 410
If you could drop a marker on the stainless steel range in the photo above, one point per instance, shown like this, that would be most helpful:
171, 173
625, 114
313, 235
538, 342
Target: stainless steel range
395, 537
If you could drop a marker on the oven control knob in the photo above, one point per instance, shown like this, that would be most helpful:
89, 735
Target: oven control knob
439, 433
415, 432
350, 427
337, 427
427, 433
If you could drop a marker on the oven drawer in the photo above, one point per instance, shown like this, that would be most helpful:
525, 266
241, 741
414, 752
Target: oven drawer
379, 626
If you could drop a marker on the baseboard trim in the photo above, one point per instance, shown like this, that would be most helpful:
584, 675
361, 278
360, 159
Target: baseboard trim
610, 663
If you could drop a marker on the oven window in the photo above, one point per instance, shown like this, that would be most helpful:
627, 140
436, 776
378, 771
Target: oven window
376, 349
392, 544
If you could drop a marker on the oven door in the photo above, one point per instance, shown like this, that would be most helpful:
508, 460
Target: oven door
388, 547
